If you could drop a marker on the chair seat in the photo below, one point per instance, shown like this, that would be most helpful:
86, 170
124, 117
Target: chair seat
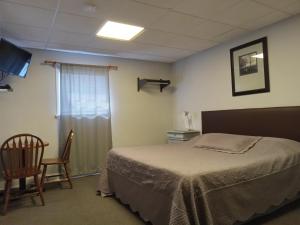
21, 173
52, 161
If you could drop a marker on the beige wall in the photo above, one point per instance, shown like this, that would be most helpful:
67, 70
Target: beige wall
138, 118
203, 81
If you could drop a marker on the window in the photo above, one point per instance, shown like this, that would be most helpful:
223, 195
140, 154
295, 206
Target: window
82, 91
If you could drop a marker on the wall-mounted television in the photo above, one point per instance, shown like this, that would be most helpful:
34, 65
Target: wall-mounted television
13, 60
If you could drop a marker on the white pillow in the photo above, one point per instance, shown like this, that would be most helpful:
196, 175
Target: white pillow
229, 143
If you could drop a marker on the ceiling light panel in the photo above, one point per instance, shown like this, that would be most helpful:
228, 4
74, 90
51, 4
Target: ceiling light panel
119, 31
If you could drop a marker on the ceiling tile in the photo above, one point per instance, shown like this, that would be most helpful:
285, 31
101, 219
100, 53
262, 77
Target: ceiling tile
126, 11
169, 4
190, 25
62, 37
163, 51
77, 24
25, 32
188, 43
102, 43
131, 12
1, 17
204, 8
210, 29
177, 23
180, 58
234, 33
46, 4
102, 51
277, 4
266, 20
26, 43
243, 12
79, 49
78, 7
150, 36
25, 15
293, 8
146, 57
288, 6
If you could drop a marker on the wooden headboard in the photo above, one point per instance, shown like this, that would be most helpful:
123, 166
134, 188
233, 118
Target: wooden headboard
281, 122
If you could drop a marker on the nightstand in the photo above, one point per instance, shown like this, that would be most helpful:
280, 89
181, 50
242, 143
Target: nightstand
178, 136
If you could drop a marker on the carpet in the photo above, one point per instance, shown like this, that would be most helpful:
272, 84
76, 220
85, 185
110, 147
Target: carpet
81, 206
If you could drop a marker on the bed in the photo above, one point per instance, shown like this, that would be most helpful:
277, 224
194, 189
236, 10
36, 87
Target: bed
180, 184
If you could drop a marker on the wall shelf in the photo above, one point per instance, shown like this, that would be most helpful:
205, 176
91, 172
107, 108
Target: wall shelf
5, 88
161, 83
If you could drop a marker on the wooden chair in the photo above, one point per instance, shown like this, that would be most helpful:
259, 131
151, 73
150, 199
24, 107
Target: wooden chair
62, 160
21, 157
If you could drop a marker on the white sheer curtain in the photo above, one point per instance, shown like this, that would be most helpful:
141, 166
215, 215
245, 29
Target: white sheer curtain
83, 105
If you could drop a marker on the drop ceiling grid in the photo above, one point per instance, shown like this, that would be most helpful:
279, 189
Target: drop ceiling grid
74, 28
53, 21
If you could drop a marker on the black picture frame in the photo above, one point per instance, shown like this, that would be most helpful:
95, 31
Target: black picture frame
249, 66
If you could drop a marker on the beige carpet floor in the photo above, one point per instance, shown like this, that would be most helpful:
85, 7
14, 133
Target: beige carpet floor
81, 206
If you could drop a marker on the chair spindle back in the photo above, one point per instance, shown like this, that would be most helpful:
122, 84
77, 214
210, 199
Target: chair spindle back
21, 155
66, 153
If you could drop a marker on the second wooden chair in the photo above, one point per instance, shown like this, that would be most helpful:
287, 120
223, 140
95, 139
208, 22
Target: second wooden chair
63, 160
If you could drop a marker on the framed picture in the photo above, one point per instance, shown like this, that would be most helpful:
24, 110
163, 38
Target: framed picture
250, 68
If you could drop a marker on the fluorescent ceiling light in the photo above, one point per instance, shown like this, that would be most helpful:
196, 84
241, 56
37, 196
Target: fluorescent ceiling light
259, 56
119, 31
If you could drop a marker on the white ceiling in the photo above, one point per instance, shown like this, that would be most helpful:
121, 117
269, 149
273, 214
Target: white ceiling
174, 29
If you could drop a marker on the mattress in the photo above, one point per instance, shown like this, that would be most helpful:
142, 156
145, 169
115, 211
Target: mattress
179, 184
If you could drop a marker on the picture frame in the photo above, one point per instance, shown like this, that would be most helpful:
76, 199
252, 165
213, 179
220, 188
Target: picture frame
250, 68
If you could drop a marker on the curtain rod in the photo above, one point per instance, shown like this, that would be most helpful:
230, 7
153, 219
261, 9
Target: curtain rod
50, 62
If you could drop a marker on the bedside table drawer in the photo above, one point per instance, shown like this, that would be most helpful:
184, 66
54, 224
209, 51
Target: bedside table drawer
177, 136
175, 141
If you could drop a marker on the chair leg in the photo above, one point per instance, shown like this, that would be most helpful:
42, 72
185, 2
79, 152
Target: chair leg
6, 195
67, 174
4, 192
39, 189
43, 177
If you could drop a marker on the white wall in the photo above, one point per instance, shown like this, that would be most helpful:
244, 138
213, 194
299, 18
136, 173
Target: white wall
138, 118
203, 81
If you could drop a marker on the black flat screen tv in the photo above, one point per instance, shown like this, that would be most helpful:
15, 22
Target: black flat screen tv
13, 60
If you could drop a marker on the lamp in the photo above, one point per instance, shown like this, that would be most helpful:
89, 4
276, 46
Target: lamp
188, 120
